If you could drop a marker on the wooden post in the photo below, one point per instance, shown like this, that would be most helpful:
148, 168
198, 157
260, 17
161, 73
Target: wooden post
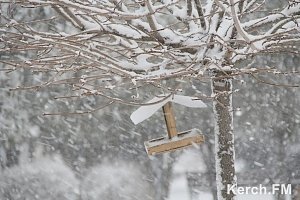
170, 120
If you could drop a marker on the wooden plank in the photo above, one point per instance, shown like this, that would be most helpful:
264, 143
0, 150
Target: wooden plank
162, 145
170, 120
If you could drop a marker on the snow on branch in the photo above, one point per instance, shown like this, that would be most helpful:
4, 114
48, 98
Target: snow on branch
146, 111
139, 43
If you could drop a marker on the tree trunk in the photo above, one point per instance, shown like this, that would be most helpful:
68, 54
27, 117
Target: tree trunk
295, 192
224, 138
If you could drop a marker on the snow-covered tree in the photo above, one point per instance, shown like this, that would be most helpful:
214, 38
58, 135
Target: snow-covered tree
133, 45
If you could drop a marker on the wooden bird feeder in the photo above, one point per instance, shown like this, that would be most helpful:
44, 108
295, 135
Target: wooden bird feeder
173, 140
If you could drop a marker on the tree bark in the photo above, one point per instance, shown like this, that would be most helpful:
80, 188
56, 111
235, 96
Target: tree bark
295, 192
224, 138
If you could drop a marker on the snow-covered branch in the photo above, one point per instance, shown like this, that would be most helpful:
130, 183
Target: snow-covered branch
144, 41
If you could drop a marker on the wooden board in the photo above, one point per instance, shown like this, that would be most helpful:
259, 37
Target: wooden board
164, 144
170, 120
